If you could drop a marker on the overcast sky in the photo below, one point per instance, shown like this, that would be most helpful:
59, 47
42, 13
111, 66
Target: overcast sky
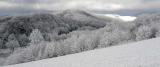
7, 6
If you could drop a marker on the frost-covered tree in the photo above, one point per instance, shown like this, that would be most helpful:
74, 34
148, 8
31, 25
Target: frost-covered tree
144, 32
73, 44
36, 36
157, 34
114, 37
88, 41
23, 40
82, 41
31, 53
2, 61
1, 43
49, 50
12, 42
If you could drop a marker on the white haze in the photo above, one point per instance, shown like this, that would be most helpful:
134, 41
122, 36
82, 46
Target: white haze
119, 17
124, 18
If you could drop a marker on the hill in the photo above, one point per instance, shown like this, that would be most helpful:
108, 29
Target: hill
46, 23
140, 54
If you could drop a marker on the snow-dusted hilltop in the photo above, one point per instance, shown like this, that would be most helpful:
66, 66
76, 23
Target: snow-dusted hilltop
77, 15
140, 54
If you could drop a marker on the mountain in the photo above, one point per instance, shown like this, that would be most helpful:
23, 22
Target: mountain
61, 23
141, 54
76, 15
82, 16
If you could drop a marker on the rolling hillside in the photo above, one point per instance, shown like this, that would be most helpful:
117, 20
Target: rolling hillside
141, 54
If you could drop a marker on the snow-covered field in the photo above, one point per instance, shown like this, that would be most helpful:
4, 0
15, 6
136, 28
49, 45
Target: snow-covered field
141, 54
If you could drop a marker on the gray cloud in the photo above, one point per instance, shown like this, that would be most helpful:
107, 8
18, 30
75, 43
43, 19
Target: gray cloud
92, 5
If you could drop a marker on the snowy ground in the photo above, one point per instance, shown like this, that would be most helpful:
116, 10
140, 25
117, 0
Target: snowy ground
140, 54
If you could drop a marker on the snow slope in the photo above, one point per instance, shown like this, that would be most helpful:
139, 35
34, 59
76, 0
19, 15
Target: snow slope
141, 54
